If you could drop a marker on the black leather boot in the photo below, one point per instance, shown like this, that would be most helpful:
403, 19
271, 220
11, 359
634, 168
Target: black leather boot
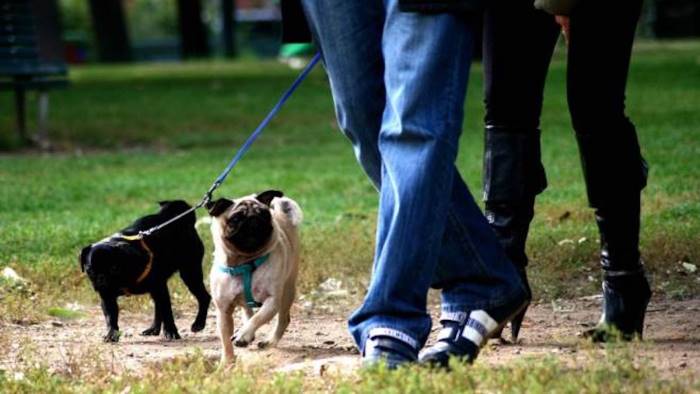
513, 176
511, 223
626, 295
615, 173
626, 291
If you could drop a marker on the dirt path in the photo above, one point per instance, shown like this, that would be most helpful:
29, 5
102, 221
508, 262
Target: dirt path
317, 340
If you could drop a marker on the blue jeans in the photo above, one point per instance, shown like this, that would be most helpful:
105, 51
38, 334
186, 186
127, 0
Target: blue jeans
398, 82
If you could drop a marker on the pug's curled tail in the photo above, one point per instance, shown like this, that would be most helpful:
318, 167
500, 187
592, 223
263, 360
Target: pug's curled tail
289, 208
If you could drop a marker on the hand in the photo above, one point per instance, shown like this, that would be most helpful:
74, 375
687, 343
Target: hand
563, 21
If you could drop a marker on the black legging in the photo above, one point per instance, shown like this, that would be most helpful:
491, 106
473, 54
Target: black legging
518, 45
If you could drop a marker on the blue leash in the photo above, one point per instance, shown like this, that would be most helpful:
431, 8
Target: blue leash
244, 148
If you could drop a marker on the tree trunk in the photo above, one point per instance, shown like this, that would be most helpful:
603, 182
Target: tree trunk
193, 33
109, 24
228, 31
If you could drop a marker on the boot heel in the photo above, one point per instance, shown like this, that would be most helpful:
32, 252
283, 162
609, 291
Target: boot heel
639, 323
516, 323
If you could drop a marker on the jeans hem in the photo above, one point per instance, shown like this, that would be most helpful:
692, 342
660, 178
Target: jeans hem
413, 342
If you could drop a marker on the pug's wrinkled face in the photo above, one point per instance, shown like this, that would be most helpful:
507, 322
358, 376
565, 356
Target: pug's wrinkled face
246, 223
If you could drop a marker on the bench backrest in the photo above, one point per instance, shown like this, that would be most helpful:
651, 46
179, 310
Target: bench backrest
30, 38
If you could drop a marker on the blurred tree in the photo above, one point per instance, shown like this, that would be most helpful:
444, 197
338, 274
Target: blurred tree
228, 30
77, 31
75, 15
152, 19
111, 34
676, 18
193, 32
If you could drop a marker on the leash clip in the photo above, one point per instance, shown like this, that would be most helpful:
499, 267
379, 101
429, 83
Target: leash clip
208, 195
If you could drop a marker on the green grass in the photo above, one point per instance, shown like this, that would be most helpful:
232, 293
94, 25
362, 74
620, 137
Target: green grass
129, 136
613, 370
64, 313
133, 135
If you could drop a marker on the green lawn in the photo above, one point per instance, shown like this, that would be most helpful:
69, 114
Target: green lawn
614, 372
133, 135
129, 136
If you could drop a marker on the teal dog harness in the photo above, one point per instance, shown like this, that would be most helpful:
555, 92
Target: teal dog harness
246, 271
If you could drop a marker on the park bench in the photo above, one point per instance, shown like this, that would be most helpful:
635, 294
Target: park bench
31, 58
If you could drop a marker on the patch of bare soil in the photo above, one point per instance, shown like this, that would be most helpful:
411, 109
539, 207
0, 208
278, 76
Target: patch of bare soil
317, 340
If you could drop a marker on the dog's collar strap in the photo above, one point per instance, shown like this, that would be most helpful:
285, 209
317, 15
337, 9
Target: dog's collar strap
246, 272
149, 264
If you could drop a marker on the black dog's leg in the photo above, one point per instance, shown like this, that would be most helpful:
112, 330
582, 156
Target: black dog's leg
194, 280
154, 329
110, 309
161, 297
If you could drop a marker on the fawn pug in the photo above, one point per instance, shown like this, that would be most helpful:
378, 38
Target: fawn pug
256, 261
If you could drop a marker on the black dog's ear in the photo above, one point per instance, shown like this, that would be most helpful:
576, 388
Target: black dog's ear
83, 257
267, 196
218, 207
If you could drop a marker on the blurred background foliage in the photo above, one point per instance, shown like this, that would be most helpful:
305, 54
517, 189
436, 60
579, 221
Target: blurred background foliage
152, 25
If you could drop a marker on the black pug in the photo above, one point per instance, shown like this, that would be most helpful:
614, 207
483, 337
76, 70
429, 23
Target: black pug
124, 265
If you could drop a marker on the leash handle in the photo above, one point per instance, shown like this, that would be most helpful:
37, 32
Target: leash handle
243, 149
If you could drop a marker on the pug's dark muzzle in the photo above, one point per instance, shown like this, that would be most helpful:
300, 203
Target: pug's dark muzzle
102, 279
249, 227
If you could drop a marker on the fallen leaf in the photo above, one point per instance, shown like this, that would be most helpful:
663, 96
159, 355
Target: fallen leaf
691, 268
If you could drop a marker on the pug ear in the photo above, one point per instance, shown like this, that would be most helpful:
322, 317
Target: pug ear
218, 207
83, 257
267, 196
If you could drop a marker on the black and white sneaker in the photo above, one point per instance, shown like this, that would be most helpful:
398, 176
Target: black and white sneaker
390, 346
463, 334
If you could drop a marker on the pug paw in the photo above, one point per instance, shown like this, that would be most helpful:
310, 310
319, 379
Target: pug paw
151, 331
171, 335
112, 336
198, 326
240, 342
263, 344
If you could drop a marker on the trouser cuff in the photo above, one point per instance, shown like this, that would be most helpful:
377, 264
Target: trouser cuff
386, 332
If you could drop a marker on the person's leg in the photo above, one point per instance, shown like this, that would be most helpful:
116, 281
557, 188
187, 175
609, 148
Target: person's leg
518, 45
349, 37
351, 47
613, 167
427, 60
470, 253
